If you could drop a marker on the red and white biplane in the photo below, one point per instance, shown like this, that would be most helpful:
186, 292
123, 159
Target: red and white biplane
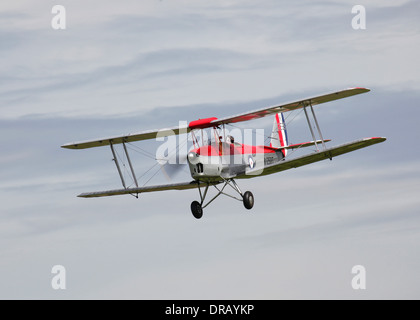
222, 160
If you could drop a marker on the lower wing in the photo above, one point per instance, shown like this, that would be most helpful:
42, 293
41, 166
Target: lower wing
274, 168
311, 158
135, 191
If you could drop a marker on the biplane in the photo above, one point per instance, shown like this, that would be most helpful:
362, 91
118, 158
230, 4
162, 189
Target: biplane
221, 161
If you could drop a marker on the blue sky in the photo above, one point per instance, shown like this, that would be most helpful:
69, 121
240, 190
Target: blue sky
137, 66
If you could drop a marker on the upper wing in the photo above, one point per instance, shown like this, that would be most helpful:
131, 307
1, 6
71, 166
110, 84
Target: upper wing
313, 157
144, 135
214, 122
175, 186
252, 115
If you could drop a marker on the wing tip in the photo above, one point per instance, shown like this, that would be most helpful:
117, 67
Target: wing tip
362, 89
379, 139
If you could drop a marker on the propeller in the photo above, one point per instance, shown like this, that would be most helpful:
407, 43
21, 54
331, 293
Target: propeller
172, 167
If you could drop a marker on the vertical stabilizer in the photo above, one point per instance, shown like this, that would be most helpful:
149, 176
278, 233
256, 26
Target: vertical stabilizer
279, 134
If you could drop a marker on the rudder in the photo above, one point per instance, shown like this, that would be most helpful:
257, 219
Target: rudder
279, 133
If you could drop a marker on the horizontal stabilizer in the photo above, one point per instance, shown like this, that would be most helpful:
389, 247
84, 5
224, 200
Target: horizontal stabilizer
304, 144
175, 186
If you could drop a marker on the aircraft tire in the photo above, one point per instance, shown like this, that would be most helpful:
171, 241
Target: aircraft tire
248, 199
196, 209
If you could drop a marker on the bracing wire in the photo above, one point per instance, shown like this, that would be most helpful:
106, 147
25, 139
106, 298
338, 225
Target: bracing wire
148, 154
126, 173
266, 137
141, 151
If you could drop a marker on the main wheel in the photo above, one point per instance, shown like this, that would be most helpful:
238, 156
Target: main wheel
248, 198
196, 209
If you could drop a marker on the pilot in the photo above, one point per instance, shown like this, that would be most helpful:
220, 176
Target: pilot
230, 139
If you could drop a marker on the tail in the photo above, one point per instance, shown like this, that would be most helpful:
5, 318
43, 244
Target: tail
279, 134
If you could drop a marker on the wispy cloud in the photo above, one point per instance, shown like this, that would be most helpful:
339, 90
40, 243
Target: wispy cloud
200, 53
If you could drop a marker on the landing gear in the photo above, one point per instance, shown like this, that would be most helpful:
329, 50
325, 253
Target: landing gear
196, 209
248, 199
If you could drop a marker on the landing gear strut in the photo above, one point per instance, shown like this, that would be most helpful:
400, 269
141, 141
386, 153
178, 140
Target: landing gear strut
197, 207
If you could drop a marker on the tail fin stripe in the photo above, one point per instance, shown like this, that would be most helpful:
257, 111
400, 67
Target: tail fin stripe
280, 131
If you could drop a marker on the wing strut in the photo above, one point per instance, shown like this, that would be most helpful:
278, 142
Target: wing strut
117, 164
317, 126
131, 166
310, 128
